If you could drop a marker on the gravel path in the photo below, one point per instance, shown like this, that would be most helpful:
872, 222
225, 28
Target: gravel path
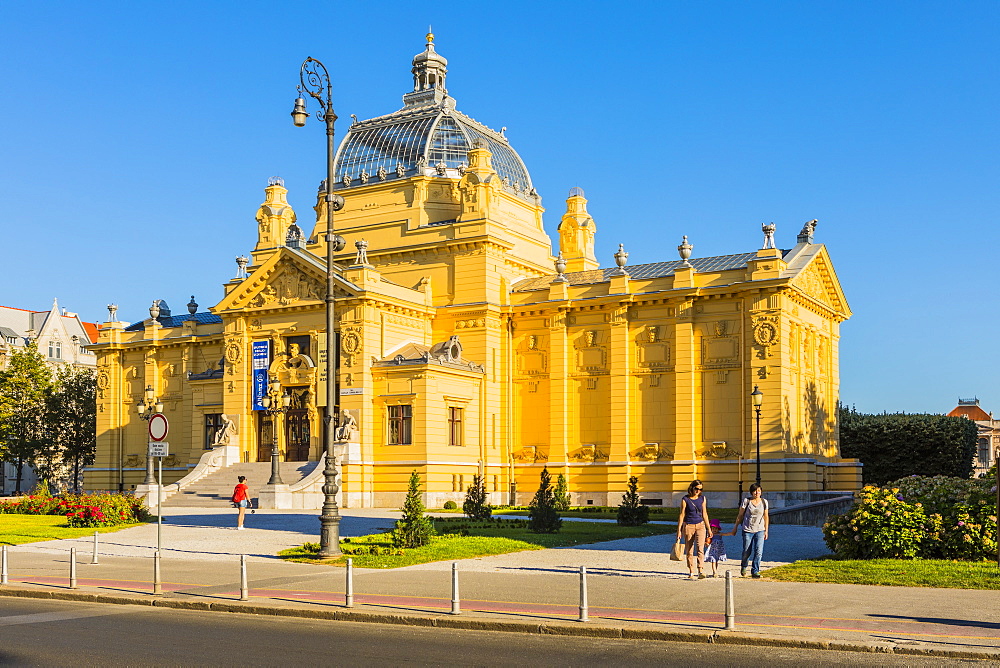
208, 534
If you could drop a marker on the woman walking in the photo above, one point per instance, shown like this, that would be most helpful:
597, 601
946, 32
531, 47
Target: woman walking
241, 500
754, 520
693, 524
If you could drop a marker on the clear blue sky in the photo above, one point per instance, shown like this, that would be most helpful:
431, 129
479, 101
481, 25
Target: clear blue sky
138, 138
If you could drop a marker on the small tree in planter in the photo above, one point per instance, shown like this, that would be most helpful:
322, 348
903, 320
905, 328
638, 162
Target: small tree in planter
562, 493
414, 528
631, 513
475, 506
542, 514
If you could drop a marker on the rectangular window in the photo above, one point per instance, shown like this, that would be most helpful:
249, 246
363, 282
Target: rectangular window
455, 426
213, 423
401, 425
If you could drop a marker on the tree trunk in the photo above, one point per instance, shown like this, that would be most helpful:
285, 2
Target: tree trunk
20, 471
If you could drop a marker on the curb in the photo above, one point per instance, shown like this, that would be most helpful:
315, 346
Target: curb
447, 622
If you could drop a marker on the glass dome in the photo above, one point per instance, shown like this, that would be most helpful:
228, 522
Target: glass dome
427, 136
433, 141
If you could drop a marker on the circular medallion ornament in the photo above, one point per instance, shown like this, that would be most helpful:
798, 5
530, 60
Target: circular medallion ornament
352, 342
233, 353
765, 334
103, 381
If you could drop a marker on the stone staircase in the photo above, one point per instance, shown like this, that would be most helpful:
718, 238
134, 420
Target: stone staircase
215, 490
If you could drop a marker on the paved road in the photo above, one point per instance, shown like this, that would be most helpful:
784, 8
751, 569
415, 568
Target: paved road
58, 633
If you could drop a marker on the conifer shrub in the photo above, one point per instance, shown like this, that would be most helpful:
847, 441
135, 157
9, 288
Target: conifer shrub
562, 493
475, 506
631, 513
414, 528
542, 514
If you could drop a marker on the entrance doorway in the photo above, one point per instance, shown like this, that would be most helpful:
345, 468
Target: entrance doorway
298, 436
265, 436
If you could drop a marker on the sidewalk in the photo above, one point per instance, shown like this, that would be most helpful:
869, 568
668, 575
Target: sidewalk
634, 589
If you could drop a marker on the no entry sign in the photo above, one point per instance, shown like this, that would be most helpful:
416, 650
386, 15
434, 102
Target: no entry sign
158, 427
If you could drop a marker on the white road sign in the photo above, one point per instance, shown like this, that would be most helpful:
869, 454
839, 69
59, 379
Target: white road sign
159, 448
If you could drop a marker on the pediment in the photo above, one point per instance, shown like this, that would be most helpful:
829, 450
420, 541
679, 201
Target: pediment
286, 279
818, 280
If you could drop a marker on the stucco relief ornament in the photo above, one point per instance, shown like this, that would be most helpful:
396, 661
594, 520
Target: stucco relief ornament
400, 170
382, 174
233, 353
103, 380
363, 177
347, 180
351, 342
684, 250
765, 334
461, 168
441, 168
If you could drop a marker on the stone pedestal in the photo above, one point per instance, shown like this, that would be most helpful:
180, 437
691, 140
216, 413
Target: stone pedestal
149, 493
275, 497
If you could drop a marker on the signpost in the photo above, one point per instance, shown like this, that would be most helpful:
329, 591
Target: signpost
158, 429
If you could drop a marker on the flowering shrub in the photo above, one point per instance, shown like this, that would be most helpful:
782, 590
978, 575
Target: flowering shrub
879, 525
82, 510
929, 517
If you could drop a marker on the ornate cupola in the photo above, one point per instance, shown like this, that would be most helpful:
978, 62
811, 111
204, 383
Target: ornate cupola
274, 219
429, 71
576, 234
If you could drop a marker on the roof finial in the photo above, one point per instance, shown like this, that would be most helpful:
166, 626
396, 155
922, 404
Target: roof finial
430, 34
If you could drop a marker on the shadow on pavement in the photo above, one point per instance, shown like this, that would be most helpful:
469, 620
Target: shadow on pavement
942, 621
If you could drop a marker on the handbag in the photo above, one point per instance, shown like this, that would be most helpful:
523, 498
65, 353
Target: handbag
677, 553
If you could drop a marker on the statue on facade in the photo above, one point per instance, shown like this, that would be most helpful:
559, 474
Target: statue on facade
348, 426
225, 434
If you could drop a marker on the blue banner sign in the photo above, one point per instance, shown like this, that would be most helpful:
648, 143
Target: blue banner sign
261, 360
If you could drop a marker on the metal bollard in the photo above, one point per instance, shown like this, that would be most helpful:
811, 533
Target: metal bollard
244, 587
455, 608
93, 559
349, 594
583, 596
730, 603
3, 564
72, 568
157, 585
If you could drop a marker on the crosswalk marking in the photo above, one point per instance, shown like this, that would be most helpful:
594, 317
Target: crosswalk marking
42, 617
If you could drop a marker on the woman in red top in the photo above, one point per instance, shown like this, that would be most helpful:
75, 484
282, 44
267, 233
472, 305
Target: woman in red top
241, 500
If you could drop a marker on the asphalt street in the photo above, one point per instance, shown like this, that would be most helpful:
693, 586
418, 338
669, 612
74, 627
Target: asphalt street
63, 633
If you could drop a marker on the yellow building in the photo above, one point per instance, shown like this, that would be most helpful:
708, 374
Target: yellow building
466, 346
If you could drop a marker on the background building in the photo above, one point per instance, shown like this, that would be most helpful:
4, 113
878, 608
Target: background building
988, 442
62, 338
465, 346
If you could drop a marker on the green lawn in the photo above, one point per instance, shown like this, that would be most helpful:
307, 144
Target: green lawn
893, 573
19, 529
485, 538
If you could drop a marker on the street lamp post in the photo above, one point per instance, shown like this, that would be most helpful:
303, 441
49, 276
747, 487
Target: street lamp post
275, 403
147, 407
758, 398
315, 80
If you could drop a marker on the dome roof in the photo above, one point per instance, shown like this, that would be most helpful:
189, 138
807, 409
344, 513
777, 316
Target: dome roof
427, 136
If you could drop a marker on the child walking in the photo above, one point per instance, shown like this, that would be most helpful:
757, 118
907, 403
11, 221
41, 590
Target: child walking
716, 548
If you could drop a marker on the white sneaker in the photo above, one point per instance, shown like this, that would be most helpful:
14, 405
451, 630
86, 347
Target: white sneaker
239, 528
